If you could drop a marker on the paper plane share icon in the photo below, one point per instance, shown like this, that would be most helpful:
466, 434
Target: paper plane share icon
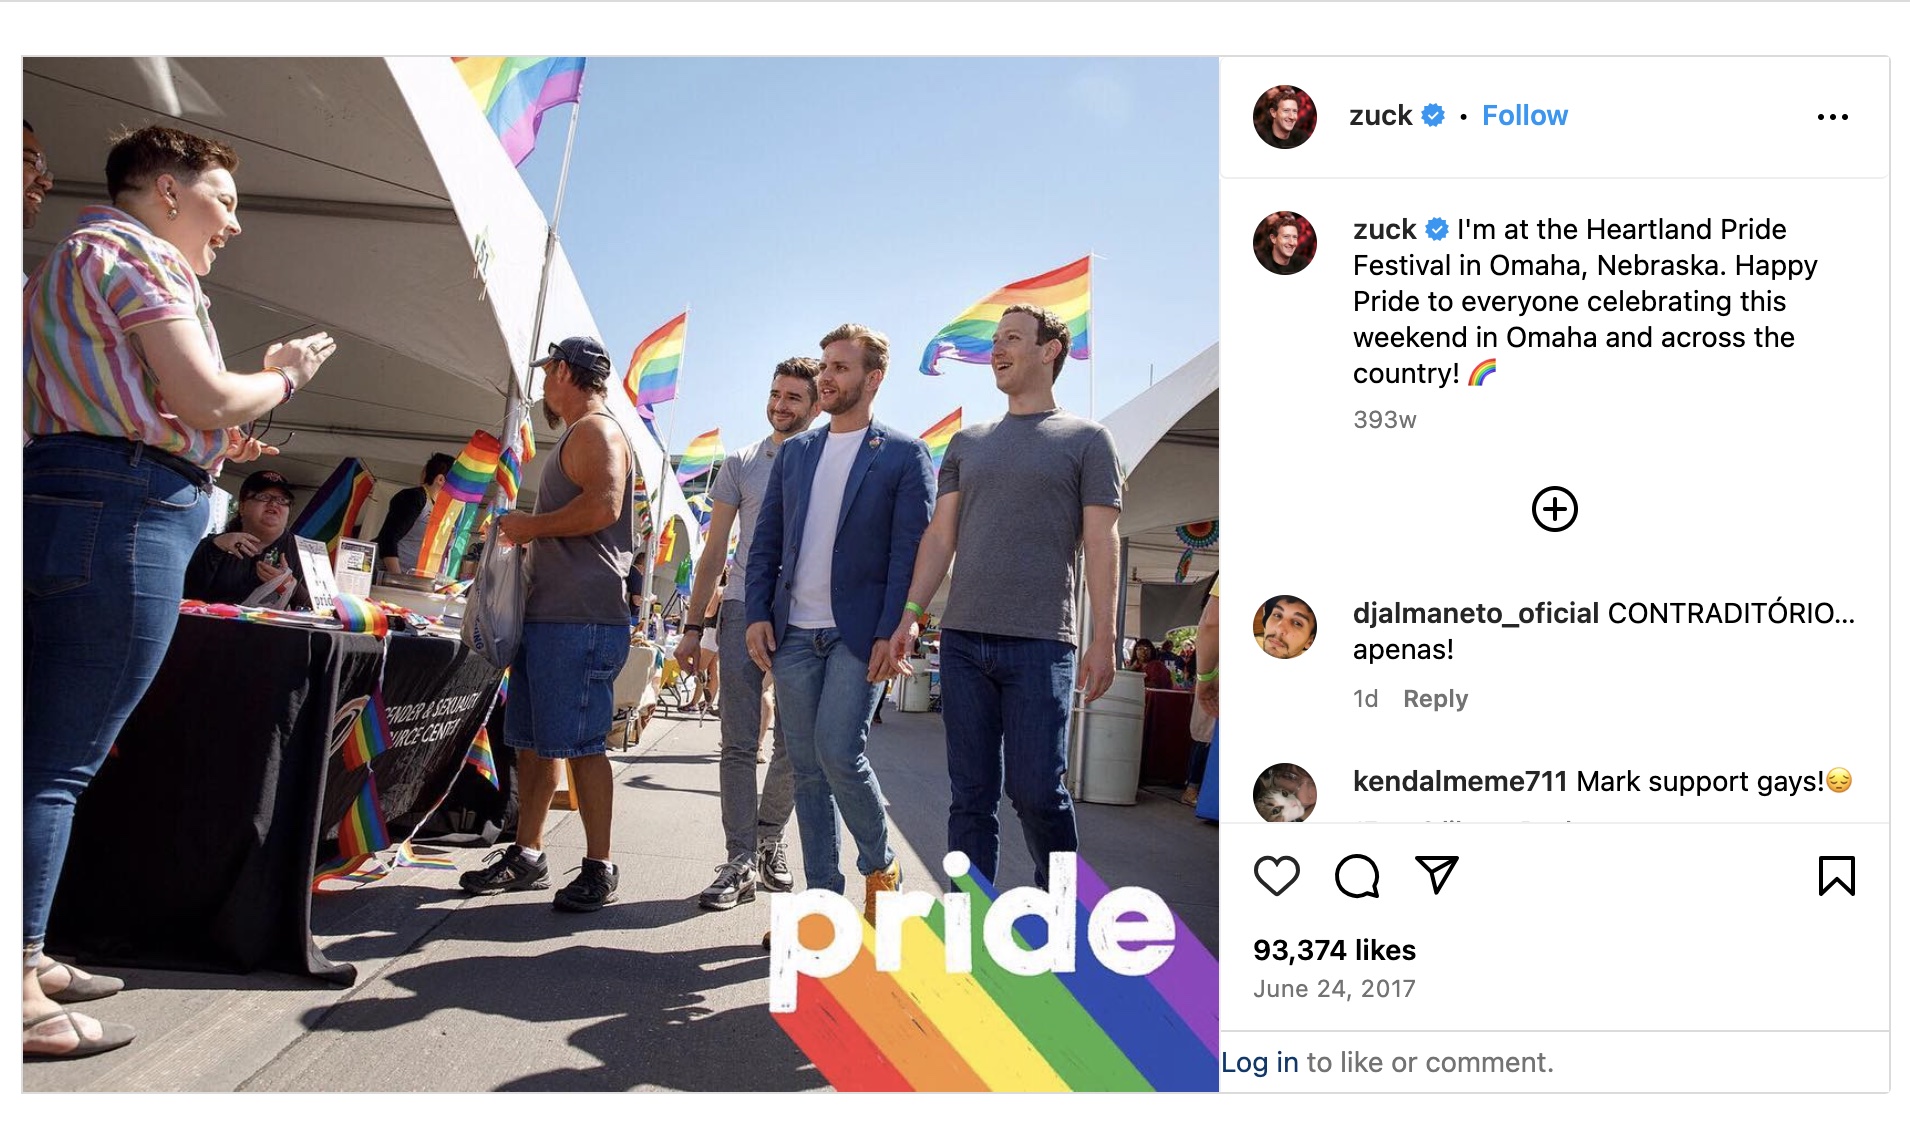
1438, 868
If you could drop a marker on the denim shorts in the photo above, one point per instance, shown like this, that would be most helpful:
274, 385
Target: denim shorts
562, 685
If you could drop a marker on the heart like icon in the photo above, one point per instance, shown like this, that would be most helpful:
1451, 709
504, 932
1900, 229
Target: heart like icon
1277, 874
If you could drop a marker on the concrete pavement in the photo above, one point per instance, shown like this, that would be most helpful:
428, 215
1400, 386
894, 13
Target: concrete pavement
466, 994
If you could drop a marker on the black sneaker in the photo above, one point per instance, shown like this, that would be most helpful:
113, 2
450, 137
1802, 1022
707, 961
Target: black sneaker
734, 885
508, 872
772, 866
594, 888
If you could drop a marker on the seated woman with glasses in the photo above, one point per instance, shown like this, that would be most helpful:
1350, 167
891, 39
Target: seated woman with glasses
255, 549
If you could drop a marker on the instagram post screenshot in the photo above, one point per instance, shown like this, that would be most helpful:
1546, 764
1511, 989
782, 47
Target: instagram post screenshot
1573, 797
691, 564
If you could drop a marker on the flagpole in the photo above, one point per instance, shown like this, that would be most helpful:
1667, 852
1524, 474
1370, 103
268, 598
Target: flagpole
656, 502
1091, 355
550, 236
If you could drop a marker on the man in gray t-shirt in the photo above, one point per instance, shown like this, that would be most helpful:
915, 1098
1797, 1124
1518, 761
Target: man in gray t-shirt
1017, 501
752, 829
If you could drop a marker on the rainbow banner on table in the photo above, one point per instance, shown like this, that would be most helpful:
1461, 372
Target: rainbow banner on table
479, 757
458, 509
363, 829
514, 92
924, 1029
651, 378
370, 734
361, 615
333, 511
937, 437
704, 452
970, 337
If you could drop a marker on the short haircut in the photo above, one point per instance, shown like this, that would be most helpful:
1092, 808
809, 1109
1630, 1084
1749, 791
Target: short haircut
440, 463
1048, 327
800, 367
874, 344
1290, 600
141, 155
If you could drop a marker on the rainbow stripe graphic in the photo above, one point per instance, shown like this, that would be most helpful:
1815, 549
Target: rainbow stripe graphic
370, 734
937, 437
514, 92
924, 1029
361, 615
970, 337
1480, 372
333, 510
363, 829
651, 378
458, 509
478, 757
704, 452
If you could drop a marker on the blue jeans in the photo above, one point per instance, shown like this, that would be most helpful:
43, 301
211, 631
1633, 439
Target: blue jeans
106, 536
1005, 715
563, 687
824, 701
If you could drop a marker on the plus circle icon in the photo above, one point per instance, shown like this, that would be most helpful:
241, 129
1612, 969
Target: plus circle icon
1554, 509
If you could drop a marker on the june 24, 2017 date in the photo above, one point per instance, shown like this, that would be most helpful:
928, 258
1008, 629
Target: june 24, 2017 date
1369, 990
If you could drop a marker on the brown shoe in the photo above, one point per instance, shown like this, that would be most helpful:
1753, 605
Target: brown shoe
1190, 795
887, 880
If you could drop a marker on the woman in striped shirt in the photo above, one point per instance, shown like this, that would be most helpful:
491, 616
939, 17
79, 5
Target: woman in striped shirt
131, 411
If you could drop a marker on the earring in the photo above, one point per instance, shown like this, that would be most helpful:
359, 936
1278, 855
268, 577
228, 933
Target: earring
174, 212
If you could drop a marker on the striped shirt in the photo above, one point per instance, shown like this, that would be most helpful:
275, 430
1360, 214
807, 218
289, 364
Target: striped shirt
84, 374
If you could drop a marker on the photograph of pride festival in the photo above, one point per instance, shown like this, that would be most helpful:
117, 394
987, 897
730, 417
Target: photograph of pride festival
538, 570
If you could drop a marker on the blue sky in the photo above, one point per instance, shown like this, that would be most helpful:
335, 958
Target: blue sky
778, 198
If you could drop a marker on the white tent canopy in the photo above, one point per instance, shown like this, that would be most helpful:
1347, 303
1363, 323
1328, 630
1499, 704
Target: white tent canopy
1168, 437
365, 187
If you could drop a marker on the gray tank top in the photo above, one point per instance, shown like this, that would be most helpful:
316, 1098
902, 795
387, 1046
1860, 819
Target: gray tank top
581, 579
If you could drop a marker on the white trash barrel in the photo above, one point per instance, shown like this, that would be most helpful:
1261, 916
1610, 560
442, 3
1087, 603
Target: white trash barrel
912, 697
1104, 757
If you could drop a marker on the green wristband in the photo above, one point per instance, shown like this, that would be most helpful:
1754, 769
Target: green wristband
914, 609
1209, 676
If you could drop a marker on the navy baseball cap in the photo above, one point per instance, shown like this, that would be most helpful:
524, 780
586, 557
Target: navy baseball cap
262, 480
584, 354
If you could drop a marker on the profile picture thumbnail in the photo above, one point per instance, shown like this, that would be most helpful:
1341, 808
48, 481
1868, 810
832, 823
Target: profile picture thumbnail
1285, 792
1284, 117
1284, 626
1284, 243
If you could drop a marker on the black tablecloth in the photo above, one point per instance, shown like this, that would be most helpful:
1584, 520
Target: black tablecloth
195, 846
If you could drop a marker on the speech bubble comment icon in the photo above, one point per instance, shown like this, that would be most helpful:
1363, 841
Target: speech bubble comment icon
1357, 876
1277, 874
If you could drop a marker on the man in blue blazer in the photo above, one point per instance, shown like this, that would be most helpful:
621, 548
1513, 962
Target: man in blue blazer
827, 583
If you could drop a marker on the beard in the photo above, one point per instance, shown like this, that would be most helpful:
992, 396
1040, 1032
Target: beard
551, 418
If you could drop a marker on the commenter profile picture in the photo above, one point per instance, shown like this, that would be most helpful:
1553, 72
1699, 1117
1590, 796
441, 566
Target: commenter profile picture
1284, 243
1284, 626
1285, 792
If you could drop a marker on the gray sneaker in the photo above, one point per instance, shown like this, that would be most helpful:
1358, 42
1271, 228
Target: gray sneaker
595, 887
772, 862
734, 885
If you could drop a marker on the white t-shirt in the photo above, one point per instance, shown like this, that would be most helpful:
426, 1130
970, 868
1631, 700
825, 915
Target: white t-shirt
809, 601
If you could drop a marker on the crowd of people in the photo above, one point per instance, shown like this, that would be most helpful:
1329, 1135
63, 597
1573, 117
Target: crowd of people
844, 531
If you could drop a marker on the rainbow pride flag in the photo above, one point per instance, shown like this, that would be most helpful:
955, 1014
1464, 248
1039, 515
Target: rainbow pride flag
970, 337
921, 1028
361, 615
459, 509
370, 734
478, 757
651, 378
350, 869
363, 829
937, 437
514, 92
666, 546
408, 857
704, 452
333, 510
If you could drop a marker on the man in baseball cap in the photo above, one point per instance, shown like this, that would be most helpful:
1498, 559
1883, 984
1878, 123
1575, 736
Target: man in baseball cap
254, 549
589, 366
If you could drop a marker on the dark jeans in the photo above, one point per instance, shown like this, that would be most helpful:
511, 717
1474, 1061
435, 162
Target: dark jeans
107, 533
1005, 713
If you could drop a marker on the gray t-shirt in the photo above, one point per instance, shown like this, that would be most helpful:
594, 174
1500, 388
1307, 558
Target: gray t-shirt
1024, 481
742, 482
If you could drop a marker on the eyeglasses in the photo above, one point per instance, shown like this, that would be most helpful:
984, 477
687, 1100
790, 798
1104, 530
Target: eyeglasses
271, 500
36, 161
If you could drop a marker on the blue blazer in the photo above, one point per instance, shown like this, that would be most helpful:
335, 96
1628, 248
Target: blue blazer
885, 510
